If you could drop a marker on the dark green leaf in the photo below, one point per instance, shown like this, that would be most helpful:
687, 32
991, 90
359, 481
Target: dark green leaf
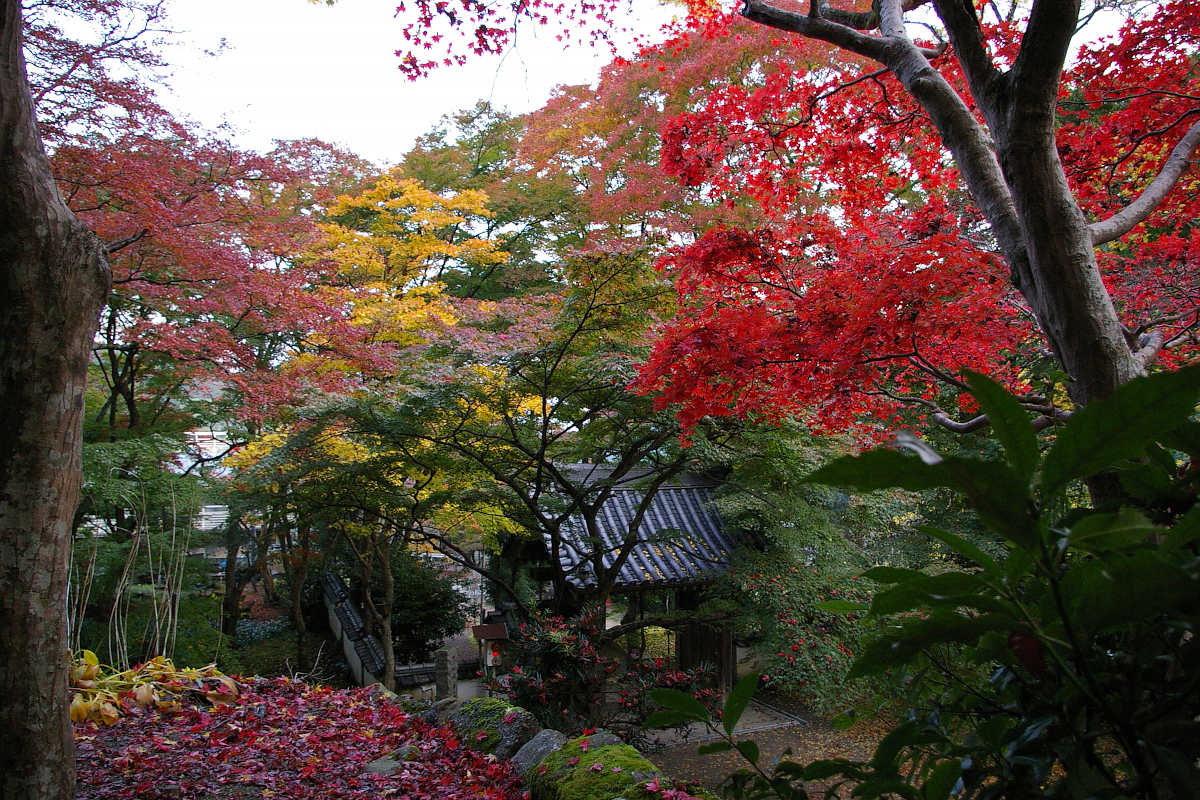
889, 748
749, 750
1186, 529
1097, 532
962, 547
675, 700
941, 780
903, 644
719, 746
1110, 591
879, 469
1185, 438
1146, 482
667, 719
996, 491
1010, 423
1121, 426
738, 698
893, 575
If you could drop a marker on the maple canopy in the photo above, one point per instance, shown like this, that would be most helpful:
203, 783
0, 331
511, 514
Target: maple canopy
907, 192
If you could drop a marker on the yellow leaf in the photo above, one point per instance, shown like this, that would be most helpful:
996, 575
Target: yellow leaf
145, 695
79, 708
109, 713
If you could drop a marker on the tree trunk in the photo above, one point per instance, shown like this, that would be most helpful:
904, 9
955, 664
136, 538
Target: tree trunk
54, 279
1062, 284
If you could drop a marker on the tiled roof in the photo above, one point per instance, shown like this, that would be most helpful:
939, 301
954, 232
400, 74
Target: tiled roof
681, 540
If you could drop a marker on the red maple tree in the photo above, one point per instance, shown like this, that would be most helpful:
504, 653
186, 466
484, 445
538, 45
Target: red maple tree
926, 204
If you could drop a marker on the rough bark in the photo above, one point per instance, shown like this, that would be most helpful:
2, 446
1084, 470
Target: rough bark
53, 278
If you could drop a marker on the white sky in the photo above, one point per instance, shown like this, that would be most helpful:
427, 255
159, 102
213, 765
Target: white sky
291, 69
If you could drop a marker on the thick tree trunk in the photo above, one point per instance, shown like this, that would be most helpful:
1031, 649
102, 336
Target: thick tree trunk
53, 280
1062, 282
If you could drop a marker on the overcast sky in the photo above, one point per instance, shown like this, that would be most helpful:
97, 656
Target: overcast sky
290, 69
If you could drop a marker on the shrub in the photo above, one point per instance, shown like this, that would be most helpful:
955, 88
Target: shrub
804, 649
1083, 629
563, 677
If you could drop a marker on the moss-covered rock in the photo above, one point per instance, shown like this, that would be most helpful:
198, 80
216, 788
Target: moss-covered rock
491, 725
581, 771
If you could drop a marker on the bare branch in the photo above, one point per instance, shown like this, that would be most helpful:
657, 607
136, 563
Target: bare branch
815, 27
121, 244
1124, 221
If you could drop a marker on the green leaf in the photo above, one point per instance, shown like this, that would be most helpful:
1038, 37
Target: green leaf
962, 547
843, 721
1185, 438
1146, 482
1010, 423
1119, 427
682, 702
948, 589
1117, 589
1186, 529
749, 750
719, 746
996, 491
903, 735
941, 780
738, 698
903, 644
879, 469
893, 575
667, 719
842, 606
1097, 532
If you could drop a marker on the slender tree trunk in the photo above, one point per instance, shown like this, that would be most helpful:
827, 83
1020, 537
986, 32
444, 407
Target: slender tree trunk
53, 280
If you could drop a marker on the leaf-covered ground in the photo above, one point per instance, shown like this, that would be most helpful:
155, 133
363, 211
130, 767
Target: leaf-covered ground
282, 739
810, 738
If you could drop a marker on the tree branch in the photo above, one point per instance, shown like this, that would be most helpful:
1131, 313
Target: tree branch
120, 244
1124, 221
815, 26
1038, 66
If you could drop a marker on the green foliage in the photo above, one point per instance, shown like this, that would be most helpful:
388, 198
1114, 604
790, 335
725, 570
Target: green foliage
427, 608
198, 640
804, 649
1066, 666
814, 543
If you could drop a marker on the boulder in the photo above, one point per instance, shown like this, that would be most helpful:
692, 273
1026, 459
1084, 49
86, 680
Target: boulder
491, 725
537, 748
579, 770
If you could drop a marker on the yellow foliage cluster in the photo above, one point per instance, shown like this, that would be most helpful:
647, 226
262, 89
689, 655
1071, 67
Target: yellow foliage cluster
102, 696
396, 234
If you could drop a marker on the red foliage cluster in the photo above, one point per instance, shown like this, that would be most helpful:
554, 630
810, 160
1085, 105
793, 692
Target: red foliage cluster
871, 280
441, 33
284, 739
